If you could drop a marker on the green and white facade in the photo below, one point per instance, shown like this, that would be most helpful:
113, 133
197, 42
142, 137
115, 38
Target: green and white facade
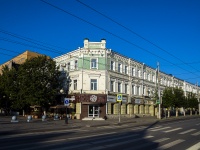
96, 75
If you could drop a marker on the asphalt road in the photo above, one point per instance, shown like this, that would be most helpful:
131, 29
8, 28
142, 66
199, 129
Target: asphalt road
171, 135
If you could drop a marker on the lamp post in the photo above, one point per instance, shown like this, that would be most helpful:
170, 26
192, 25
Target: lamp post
66, 118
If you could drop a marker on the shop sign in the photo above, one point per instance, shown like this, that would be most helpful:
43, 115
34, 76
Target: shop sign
114, 99
93, 98
138, 101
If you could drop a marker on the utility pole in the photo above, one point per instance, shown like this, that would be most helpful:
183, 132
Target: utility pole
198, 96
159, 109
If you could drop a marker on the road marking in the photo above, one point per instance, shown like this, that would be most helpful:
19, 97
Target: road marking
161, 140
139, 128
160, 129
172, 130
90, 136
50, 141
187, 131
166, 146
194, 147
197, 133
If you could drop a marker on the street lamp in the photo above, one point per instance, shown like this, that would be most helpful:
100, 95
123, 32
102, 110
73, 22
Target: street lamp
66, 118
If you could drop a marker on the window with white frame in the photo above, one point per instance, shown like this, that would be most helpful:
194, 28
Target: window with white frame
119, 87
138, 73
94, 63
133, 89
75, 84
119, 67
148, 77
93, 84
75, 64
112, 86
138, 90
145, 75
126, 88
126, 69
112, 65
133, 71
68, 66
153, 78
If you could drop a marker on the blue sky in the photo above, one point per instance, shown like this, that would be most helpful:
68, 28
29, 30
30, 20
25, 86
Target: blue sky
149, 31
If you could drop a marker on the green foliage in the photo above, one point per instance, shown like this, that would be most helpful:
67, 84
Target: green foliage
34, 83
192, 101
173, 97
167, 98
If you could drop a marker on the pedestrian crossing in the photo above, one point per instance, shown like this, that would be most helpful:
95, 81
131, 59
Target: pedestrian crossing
165, 129
97, 141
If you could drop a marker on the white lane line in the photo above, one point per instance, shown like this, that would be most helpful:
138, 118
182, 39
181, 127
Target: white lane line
161, 140
184, 132
159, 129
197, 133
172, 130
139, 128
171, 144
194, 147
81, 137
50, 141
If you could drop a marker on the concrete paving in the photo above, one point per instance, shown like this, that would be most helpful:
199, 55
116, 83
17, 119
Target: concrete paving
37, 125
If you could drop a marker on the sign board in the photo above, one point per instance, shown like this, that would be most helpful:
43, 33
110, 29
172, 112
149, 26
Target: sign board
119, 97
66, 101
157, 101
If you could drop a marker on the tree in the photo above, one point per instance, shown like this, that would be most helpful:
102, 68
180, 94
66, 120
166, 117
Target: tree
167, 99
36, 82
39, 81
179, 99
8, 87
192, 102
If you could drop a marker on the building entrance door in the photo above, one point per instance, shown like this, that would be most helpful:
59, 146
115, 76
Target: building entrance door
93, 111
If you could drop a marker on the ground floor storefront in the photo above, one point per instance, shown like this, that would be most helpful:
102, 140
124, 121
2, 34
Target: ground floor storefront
102, 106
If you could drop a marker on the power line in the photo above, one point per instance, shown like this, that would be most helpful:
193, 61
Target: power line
58, 8
128, 29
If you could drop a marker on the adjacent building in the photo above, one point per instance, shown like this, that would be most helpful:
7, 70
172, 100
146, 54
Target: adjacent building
20, 59
95, 76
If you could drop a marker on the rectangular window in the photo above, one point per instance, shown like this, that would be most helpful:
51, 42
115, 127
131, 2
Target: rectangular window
138, 90
68, 66
126, 70
119, 87
76, 64
119, 67
133, 89
93, 84
138, 73
112, 65
75, 84
112, 86
133, 71
93, 63
126, 88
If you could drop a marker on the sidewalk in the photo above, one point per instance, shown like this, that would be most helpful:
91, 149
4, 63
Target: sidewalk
37, 125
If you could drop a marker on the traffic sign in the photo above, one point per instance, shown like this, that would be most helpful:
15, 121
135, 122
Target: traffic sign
157, 101
66, 101
119, 97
